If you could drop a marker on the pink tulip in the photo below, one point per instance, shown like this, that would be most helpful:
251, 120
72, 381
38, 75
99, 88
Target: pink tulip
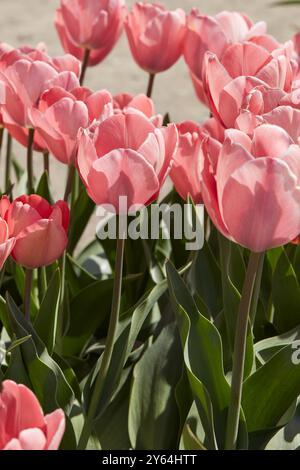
7, 242
61, 114
286, 117
216, 34
251, 190
21, 86
40, 229
89, 24
125, 155
127, 103
188, 160
23, 425
239, 102
155, 36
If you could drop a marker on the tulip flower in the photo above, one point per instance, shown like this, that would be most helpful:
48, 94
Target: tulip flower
239, 102
40, 230
7, 243
155, 36
89, 25
188, 160
125, 155
216, 34
126, 103
251, 190
21, 86
23, 426
61, 114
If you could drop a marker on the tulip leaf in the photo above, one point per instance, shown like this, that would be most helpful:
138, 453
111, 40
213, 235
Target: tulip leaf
43, 188
153, 412
204, 362
47, 378
46, 320
271, 390
87, 314
286, 295
81, 214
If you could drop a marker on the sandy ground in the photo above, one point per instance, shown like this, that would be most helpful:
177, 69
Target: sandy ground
31, 21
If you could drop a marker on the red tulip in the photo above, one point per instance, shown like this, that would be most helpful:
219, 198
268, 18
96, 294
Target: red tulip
125, 155
155, 36
251, 188
188, 160
39, 228
23, 425
89, 24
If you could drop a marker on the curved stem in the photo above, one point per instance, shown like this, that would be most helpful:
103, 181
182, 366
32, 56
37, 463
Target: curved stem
150, 84
84, 65
240, 352
1, 138
110, 341
69, 184
46, 162
30, 187
8, 161
27, 293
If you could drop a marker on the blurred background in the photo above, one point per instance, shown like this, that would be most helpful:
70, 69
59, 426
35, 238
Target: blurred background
32, 21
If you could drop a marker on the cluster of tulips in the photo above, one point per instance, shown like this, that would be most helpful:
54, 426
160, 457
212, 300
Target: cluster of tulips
243, 162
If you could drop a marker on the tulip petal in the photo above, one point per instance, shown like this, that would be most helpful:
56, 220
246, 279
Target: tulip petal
271, 141
261, 204
55, 425
122, 172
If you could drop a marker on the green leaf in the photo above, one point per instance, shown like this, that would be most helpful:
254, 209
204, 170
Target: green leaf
271, 390
286, 295
189, 440
111, 429
153, 413
47, 378
43, 187
204, 361
81, 213
206, 280
87, 314
46, 320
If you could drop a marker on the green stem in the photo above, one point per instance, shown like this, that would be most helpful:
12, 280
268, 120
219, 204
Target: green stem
240, 352
46, 162
256, 291
110, 341
8, 161
150, 84
85, 63
30, 188
42, 282
69, 184
2, 275
27, 293
1, 138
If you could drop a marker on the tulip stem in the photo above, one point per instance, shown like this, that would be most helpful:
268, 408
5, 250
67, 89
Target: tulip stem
46, 162
30, 188
42, 282
1, 138
84, 65
110, 341
69, 184
240, 352
8, 161
150, 84
27, 293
